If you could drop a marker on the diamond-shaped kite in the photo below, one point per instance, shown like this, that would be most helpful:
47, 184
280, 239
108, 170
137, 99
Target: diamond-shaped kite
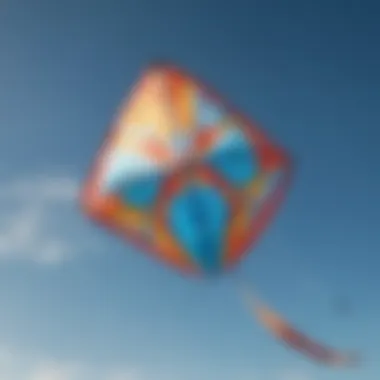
184, 175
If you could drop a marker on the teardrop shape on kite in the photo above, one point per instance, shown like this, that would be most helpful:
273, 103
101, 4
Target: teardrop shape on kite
198, 217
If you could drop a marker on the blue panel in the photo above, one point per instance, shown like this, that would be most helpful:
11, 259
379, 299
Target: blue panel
198, 218
237, 164
142, 192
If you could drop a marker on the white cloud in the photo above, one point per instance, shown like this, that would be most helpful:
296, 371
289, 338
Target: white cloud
33, 213
28, 367
45, 189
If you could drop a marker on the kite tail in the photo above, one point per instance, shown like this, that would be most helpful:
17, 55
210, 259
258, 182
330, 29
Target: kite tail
292, 337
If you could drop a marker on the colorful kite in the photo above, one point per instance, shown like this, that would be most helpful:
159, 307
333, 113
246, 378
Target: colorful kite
184, 176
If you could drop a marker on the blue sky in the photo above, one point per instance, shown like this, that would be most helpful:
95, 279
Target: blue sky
75, 302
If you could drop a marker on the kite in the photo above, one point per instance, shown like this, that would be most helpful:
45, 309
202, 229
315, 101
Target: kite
184, 176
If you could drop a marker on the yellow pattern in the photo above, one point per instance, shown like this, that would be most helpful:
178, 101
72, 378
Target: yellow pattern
144, 117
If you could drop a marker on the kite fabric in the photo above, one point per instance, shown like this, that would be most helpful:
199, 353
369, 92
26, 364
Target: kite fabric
185, 176
295, 339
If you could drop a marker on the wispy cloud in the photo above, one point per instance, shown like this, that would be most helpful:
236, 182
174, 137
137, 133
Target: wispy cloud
19, 366
41, 189
34, 210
